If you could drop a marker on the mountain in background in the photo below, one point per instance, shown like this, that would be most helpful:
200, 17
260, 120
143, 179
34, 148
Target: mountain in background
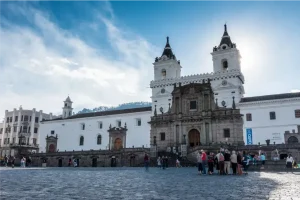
119, 107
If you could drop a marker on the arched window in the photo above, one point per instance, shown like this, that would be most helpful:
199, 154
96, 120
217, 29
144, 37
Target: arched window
163, 73
162, 136
293, 140
225, 64
81, 141
99, 139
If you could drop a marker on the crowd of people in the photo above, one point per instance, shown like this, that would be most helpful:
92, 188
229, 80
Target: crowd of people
225, 162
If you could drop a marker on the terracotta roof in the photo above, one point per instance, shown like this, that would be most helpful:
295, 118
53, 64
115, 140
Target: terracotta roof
104, 113
270, 97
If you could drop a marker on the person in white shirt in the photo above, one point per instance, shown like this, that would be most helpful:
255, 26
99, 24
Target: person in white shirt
289, 162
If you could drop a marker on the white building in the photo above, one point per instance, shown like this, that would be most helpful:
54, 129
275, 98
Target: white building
90, 130
268, 117
21, 127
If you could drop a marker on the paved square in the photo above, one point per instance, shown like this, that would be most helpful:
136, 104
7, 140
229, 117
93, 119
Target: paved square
136, 183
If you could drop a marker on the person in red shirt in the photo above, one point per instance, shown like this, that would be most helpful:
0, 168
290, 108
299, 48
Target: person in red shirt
146, 160
204, 160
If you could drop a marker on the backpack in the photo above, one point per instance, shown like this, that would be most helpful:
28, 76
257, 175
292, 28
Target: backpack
221, 157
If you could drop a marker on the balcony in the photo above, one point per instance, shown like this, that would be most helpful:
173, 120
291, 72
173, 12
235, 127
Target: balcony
24, 145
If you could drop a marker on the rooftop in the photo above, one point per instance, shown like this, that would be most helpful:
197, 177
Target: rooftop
104, 113
270, 97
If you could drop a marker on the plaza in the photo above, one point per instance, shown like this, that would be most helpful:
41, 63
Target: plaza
136, 183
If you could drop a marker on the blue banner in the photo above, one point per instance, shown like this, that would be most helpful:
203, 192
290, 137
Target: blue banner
249, 135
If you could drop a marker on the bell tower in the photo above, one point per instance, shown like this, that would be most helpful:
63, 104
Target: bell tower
229, 80
226, 56
67, 109
166, 69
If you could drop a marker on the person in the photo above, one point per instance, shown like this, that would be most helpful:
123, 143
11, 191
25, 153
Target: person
163, 162
5, 160
204, 160
177, 163
263, 160
74, 163
146, 160
220, 158
239, 163
233, 160
210, 163
199, 162
227, 162
13, 161
289, 162
159, 162
245, 162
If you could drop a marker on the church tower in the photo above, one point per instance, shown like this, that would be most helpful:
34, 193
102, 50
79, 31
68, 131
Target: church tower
67, 109
166, 69
227, 68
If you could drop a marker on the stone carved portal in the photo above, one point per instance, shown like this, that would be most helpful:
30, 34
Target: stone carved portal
118, 144
51, 143
117, 137
194, 138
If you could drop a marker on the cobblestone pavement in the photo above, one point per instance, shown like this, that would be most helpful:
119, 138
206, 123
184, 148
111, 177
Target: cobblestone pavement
136, 183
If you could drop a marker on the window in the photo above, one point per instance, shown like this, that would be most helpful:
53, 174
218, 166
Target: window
14, 140
16, 118
1, 130
227, 133
119, 123
65, 104
35, 130
297, 113
99, 139
82, 126
100, 125
10, 119
272, 115
225, 65
162, 136
29, 129
138, 122
248, 117
24, 129
7, 120
70, 113
193, 105
163, 73
36, 119
21, 118
15, 129
26, 118
34, 141
52, 132
81, 140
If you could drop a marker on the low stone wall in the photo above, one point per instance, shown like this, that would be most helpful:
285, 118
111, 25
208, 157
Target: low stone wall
131, 157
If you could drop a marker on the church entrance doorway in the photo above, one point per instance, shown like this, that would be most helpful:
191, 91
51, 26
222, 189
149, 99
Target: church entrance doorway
194, 138
118, 144
113, 161
293, 140
283, 156
60, 162
94, 162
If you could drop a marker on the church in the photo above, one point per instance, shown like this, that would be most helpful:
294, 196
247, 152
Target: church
193, 110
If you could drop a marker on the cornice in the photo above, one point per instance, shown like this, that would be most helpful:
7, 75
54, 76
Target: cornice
198, 78
268, 102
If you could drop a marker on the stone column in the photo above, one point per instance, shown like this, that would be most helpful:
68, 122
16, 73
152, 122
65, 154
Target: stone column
19, 123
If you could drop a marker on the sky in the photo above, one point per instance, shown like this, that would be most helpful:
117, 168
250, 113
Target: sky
100, 53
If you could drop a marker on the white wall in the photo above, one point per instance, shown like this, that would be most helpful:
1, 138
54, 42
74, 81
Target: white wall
262, 127
69, 131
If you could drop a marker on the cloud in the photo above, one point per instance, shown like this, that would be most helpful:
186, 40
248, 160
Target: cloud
41, 63
295, 90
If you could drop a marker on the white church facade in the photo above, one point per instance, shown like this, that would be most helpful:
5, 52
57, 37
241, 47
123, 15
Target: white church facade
227, 82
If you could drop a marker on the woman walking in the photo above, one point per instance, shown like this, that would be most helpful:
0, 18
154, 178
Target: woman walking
233, 159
